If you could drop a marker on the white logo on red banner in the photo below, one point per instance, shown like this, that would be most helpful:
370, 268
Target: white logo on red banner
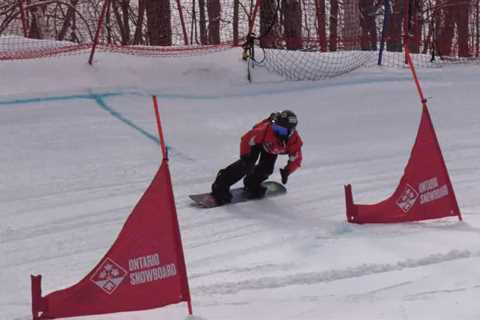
431, 190
407, 199
428, 191
109, 276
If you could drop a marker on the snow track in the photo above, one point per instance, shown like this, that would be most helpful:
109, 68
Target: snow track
332, 275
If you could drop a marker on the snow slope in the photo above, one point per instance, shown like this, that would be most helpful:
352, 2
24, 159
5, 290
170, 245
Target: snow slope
80, 147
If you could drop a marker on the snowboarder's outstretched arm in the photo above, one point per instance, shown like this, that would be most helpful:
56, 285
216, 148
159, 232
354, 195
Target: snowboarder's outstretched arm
294, 149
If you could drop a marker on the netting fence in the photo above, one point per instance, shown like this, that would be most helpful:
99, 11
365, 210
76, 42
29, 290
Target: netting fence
300, 39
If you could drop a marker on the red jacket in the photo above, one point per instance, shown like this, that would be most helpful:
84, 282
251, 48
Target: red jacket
262, 134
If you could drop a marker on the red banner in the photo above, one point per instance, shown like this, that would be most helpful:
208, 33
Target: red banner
424, 192
143, 269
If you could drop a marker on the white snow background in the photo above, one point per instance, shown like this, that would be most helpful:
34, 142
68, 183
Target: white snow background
79, 147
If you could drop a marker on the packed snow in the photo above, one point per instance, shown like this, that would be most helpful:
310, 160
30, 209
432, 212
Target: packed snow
80, 146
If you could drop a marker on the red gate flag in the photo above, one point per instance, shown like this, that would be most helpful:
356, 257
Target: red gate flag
143, 269
424, 192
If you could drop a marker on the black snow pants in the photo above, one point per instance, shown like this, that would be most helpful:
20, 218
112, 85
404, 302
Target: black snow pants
245, 167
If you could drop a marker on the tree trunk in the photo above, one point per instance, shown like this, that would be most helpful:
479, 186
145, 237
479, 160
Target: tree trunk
428, 39
292, 12
34, 29
107, 23
368, 38
455, 13
214, 9
203, 22
193, 25
122, 20
236, 9
394, 32
68, 20
372, 30
125, 5
138, 36
477, 28
39, 27
462, 28
352, 32
268, 19
446, 30
159, 26
416, 26
333, 25
321, 21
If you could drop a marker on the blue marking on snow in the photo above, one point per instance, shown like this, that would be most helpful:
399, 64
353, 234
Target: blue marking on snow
102, 104
253, 91
98, 98
58, 98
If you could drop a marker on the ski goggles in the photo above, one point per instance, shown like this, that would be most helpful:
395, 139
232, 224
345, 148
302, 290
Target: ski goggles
281, 131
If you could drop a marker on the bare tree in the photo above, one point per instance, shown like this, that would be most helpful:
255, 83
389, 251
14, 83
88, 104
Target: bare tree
122, 18
202, 22
452, 26
321, 23
268, 20
68, 21
138, 36
159, 26
214, 18
462, 18
333, 25
8, 13
236, 9
477, 28
368, 38
394, 39
39, 26
292, 13
415, 28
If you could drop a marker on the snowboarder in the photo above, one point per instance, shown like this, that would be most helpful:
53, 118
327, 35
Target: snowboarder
270, 137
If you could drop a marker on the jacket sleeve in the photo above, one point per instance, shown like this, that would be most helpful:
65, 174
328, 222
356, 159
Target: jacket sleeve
294, 154
252, 138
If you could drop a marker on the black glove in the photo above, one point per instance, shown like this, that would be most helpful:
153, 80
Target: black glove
284, 173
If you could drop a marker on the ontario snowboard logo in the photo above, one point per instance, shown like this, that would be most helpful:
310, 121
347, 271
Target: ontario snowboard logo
431, 190
109, 276
428, 191
407, 199
148, 268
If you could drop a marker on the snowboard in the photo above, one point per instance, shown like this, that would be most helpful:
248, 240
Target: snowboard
205, 200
